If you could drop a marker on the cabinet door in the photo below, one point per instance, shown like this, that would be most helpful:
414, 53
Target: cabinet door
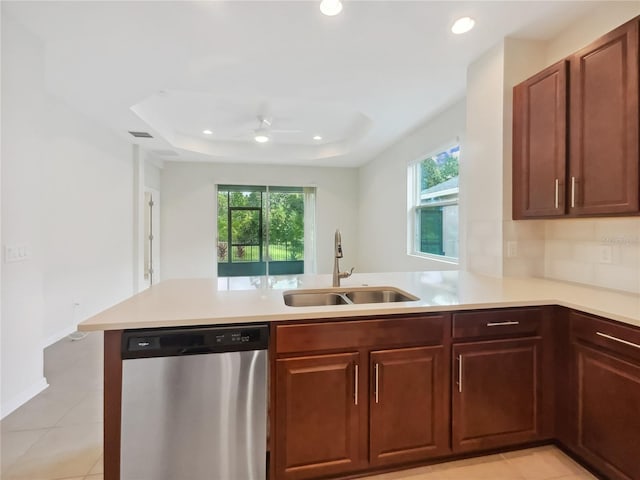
603, 171
608, 413
409, 418
539, 144
317, 415
496, 393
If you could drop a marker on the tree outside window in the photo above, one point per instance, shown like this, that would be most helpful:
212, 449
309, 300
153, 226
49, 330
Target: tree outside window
434, 228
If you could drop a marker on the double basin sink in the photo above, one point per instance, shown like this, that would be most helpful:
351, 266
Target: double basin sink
346, 296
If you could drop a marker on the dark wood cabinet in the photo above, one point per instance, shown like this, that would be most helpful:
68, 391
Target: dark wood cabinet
539, 144
608, 407
408, 405
340, 412
352, 397
603, 113
605, 393
591, 108
319, 415
496, 393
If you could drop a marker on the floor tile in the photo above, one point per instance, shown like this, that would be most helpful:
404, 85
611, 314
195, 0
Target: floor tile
98, 467
542, 464
44, 410
89, 410
494, 470
62, 452
15, 444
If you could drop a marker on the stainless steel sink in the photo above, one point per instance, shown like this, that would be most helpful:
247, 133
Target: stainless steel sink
386, 295
346, 296
310, 298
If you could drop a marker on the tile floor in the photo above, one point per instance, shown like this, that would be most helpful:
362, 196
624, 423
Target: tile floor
58, 434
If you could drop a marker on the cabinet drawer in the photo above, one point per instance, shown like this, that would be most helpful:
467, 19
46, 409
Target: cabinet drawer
613, 336
497, 323
355, 334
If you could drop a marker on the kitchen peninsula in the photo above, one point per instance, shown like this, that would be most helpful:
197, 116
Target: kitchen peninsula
493, 363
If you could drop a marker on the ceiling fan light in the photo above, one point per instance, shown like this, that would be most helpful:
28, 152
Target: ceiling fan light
463, 25
261, 138
331, 7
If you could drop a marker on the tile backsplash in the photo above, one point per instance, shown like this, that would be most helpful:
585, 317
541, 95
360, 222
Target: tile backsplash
599, 252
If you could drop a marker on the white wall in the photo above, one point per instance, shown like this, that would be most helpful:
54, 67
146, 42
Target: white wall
382, 223
87, 219
22, 152
152, 174
522, 58
66, 194
481, 174
188, 214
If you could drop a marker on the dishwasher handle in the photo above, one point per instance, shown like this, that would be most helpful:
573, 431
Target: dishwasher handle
195, 350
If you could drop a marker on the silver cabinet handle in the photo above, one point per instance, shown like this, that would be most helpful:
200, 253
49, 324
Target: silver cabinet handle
557, 188
460, 373
616, 339
355, 386
573, 192
377, 384
500, 324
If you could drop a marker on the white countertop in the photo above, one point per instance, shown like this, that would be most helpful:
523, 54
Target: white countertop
225, 301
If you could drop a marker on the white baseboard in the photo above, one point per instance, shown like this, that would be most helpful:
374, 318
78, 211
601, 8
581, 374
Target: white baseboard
23, 397
59, 335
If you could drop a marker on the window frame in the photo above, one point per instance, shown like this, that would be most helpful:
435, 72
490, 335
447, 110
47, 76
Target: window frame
414, 207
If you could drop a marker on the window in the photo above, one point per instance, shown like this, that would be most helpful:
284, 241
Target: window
433, 201
264, 230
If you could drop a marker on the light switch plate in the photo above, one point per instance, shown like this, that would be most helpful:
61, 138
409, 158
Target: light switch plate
16, 253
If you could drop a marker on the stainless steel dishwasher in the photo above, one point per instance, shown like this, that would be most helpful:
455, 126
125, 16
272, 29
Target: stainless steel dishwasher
194, 403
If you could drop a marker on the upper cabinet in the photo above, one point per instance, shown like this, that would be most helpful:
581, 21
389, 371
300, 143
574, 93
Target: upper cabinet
576, 133
539, 143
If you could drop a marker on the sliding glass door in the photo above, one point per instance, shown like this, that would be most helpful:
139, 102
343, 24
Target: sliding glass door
261, 230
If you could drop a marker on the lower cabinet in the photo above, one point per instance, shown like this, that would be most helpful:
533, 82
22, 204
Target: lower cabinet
496, 393
318, 411
384, 403
365, 395
408, 404
607, 396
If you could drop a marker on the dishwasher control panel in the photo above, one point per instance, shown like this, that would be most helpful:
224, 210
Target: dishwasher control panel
164, 342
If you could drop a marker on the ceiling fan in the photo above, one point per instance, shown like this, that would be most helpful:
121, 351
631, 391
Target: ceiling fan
262, 134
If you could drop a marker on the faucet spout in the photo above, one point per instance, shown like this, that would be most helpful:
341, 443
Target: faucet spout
337, 254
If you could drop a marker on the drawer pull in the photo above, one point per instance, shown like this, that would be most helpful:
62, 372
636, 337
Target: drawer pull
377, 369
460, 373
355, 386
615, 339
501, 324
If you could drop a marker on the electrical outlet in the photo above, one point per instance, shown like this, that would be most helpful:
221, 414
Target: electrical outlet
606, 254
512, 249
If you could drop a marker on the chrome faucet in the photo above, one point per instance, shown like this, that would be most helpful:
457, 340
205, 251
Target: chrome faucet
337, 274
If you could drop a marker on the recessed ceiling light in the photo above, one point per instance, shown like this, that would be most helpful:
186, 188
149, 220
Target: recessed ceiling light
207, 132
317, 137
463, 25
331, 7
261, 138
